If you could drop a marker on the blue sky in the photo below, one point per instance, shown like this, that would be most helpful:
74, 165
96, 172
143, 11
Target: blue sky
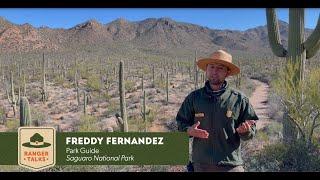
215, 18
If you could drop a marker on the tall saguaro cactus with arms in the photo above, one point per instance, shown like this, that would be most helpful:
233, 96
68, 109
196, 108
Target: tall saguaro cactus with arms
12, 100
44, 94
298, 51
122, 98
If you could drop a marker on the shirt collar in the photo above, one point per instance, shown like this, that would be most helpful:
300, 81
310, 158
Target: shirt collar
217, 93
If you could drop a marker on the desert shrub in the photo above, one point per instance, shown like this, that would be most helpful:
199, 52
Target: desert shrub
129, 86
13, 125
37, 116
71, 74
262, 136
112, 108
94, 82
301, 99
136, 124
146, 70
36, 77
34, 95
88, 124
281, 157
106, 96
83, 71
274, 128
160, 83
154, 112
275, 109
58, 81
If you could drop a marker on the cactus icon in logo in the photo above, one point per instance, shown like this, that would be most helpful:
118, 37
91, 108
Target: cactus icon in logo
36, 141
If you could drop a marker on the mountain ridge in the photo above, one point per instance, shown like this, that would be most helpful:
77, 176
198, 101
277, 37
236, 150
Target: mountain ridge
154, 33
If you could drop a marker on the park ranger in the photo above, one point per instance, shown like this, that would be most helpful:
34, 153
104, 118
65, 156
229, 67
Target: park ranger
217, 117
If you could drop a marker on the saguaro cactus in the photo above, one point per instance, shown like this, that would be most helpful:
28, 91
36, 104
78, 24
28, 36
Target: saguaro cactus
238, 77
144, 106
44, 94
122, 98
24, 86
142, 84
144, 111
167, 87
76, 82
195, 71
190, 74
12, 99
19, 94
153, 84
298, 51
25, 117
85, 102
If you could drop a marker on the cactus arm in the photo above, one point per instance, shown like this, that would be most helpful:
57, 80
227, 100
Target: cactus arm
274, 34
312, 44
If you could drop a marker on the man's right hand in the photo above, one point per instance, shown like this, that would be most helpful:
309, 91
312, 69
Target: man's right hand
195, 132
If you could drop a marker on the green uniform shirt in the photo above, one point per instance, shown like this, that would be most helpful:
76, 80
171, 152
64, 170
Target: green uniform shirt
220, 116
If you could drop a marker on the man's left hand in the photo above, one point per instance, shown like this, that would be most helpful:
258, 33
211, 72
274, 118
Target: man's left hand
245, 127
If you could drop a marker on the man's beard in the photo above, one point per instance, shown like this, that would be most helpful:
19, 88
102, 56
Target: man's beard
215, 82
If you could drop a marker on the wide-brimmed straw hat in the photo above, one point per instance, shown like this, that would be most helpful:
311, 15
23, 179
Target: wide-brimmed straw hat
220, 57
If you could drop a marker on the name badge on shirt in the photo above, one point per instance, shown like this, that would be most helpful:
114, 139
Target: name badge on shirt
229, 113
199, 115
